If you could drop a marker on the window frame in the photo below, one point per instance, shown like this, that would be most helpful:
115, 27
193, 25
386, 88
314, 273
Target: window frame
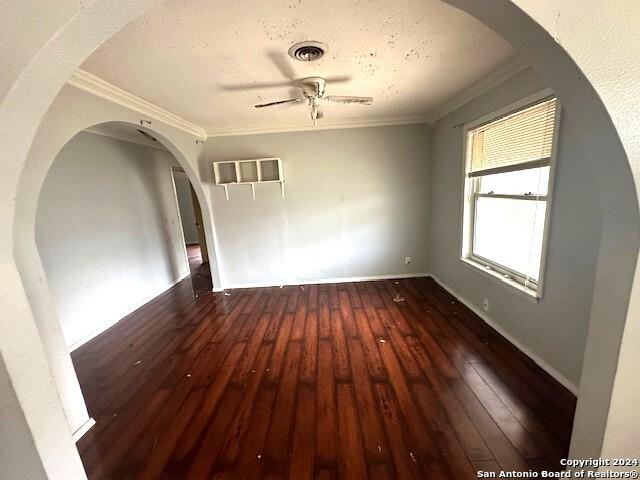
504, 275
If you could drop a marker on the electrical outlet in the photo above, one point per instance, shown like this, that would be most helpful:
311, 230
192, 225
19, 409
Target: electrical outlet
407, 260
485, 304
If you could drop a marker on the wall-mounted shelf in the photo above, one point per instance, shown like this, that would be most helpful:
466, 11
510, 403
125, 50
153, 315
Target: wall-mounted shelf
249, 172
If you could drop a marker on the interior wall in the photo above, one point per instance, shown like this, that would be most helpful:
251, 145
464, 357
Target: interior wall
16, 443
185, 204
555, 328
355, 205
107, 229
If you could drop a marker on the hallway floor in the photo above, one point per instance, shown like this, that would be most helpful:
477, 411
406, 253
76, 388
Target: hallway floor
320, 381
194, 255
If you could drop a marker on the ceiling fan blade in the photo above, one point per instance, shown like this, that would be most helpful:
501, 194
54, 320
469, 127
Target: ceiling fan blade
281, 62
346, 99
338, 79
262, 105
244, 87
257, 86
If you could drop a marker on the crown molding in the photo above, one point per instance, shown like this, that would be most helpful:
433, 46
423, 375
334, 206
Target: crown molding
480, 87
382, 122
97, 86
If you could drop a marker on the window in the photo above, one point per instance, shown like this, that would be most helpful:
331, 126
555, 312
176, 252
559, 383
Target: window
507, 176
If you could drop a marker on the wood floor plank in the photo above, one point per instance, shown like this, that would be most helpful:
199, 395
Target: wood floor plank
503, 450
229, 321
530, 419
251, 351
456, 416
278, 439
279, 350
397, 310
200, 462
303, 450
381, 471
251, 461
346, 311
373, 295
308, 369
240, 425
354, 296
300, 318
189, 438
334, 300
324, 317
292, 299
351, 461
420, 439
374, 441
503, 417
312, 304
370, 309
340, 353
450, 446
274, 296
325, 473
404, 460
327, 429
370, 347
400, 345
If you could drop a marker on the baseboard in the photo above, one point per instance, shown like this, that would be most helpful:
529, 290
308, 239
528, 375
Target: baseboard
323, 281
129, 311
564, 381
84, 428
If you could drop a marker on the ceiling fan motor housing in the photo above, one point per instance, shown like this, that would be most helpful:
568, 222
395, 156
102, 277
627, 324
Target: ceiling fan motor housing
313, 87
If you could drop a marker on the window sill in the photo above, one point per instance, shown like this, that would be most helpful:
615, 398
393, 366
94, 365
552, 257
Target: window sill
527, 294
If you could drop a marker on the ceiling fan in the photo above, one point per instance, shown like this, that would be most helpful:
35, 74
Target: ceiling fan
313, 89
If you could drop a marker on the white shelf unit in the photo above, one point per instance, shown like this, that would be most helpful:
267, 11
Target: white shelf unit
249, 172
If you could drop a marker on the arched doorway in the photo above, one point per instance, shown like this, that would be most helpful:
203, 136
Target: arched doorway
181, 147
43, 73
108, 228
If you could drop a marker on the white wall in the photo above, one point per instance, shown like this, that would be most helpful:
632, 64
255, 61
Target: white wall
555, 328
16, 444
185, 203
107, 230
355, 205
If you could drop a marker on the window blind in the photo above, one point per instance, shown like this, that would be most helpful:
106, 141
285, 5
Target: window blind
520, 137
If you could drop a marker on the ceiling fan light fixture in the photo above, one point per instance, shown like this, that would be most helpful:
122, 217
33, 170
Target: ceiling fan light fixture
312, 93
307, 51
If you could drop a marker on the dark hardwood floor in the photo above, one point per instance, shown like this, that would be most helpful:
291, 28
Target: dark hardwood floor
320, 381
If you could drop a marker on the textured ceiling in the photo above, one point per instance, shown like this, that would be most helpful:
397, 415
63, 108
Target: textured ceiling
211, 61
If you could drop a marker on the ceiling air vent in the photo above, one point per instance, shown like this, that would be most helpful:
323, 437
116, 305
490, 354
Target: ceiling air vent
307, 51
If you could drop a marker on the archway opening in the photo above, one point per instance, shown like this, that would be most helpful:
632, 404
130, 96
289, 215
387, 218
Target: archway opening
192, 221
609, 301
108, 228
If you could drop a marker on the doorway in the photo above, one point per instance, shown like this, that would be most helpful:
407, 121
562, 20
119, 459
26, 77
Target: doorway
190, 212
